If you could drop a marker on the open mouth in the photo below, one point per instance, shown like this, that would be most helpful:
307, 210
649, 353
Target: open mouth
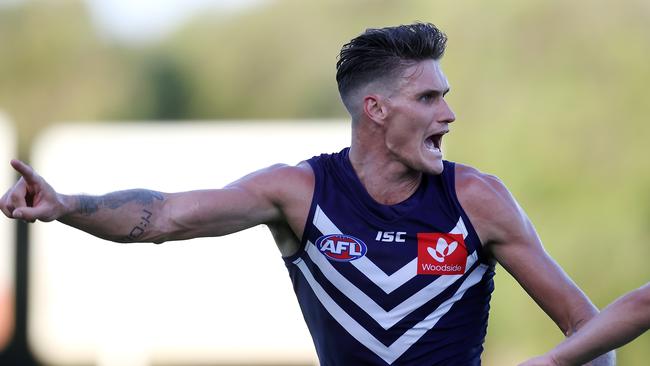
434, 142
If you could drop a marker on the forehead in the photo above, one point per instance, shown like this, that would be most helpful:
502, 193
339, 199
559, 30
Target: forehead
423, 75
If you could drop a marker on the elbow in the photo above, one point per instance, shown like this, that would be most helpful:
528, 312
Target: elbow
130, 239
638, 302
577, 319
641, 297
162, 229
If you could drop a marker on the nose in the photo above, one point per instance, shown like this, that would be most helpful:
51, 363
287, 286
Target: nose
446, 114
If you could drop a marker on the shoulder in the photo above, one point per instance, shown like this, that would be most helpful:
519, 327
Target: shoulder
280, 183
282, 172
488, 203
301, 173
474, 186
279, 177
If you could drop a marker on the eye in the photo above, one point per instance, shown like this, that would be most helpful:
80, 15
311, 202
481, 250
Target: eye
426, 97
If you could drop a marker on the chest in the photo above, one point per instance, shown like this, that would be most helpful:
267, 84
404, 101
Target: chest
415, 245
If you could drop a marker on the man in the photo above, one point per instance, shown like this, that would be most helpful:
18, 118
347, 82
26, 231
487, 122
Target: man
391, 250
619, 323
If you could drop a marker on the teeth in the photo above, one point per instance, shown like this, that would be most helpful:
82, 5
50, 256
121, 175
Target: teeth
430, 145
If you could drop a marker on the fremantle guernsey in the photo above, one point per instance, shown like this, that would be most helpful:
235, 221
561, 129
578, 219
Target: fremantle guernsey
406, 284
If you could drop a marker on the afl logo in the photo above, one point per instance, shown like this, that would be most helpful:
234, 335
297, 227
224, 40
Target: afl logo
342, 248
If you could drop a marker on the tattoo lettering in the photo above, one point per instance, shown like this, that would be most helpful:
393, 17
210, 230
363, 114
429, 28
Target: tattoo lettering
88, 205
139, 229
135, 232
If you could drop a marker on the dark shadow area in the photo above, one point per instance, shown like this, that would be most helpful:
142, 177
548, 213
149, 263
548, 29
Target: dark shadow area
17, 352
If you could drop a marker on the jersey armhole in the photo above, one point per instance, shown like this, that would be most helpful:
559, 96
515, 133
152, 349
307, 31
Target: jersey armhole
315, 167
469, 226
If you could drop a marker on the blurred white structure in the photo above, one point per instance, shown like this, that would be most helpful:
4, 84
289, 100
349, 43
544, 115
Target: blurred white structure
7, 232
213, 300
151, 20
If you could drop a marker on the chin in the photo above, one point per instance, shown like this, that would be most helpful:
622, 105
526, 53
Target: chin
438, 169
435, 168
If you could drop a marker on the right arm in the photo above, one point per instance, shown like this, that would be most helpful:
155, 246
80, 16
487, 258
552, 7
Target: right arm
510, 237
149, 216
617, 324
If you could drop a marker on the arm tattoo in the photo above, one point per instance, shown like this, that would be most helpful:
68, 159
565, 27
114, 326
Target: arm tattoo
141, 226
88, 205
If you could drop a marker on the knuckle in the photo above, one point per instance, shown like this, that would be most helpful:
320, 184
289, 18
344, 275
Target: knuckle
15, 200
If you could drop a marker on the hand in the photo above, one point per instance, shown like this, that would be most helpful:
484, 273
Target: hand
543, 360
31, 198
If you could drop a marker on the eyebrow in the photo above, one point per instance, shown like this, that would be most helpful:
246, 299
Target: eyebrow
435, 92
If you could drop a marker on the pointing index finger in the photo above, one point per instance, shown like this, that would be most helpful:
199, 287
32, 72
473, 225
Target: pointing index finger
25, 170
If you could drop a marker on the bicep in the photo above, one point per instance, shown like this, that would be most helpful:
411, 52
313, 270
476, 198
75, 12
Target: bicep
215, 212
240, 205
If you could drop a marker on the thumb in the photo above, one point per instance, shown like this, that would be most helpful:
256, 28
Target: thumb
30, 214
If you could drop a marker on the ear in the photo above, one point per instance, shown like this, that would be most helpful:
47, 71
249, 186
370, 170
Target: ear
375, 108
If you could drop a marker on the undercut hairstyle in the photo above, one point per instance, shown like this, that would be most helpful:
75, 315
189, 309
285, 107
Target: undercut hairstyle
385, 53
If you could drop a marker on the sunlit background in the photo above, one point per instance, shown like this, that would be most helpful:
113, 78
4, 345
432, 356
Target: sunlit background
550, 95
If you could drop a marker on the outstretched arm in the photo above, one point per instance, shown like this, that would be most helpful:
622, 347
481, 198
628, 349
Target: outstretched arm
148, 216
619, 323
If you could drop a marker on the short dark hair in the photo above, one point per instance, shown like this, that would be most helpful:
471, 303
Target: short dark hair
378, 53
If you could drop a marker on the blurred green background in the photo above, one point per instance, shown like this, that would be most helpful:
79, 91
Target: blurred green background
551, 96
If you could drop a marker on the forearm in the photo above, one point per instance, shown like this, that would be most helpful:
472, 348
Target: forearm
578, 349
619, 323
586, 345
123, 216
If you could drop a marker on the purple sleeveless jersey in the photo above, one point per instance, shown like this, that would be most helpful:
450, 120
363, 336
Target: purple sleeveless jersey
407, 284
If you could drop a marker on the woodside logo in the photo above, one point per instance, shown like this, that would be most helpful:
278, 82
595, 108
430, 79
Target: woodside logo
441, 254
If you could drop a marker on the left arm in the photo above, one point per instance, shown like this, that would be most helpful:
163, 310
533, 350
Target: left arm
508, 234
619, 323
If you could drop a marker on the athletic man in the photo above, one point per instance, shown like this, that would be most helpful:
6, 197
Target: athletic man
391, 250
619, 323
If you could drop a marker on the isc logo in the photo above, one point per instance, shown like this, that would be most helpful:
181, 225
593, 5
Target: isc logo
342, 248
391, 236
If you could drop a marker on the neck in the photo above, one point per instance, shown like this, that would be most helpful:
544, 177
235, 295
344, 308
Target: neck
387, 180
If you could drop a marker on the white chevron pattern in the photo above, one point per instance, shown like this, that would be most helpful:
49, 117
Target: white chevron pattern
367, 267
403, 343
385, 319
